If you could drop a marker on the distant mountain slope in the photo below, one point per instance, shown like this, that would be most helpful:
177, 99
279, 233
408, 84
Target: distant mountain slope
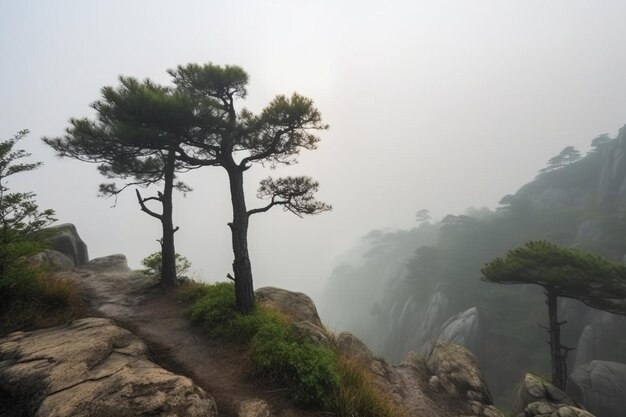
417, 285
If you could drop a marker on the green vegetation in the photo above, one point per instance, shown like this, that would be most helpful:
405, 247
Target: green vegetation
39, 299
153, 265
319, 377
432, 271
21, 221
562, 272
29, 296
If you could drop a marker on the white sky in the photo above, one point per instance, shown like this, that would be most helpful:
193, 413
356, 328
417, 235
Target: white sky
432, 104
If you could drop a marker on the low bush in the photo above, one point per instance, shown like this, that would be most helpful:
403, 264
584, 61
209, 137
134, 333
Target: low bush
319, 376
38, 299
280, 358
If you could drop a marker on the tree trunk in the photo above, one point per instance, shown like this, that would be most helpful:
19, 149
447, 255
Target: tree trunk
168, 252
244, 288
559, 366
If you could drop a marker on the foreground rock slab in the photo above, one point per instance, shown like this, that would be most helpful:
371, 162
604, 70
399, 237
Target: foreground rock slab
91, 368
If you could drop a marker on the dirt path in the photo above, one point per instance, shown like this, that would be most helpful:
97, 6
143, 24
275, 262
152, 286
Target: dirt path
221, 369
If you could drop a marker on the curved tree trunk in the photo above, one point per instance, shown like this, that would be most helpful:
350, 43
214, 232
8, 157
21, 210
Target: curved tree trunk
168, 252
244, 288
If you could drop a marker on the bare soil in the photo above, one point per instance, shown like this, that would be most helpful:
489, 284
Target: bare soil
220, 367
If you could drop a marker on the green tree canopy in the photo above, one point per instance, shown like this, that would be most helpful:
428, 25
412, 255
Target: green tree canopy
571, 273
20, 218
138, 130
566, 157
562, 272
235, 140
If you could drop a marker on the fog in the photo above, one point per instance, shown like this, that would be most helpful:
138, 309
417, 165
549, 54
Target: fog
437, 105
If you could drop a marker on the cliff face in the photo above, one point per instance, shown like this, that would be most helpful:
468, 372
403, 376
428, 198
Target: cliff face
435, 291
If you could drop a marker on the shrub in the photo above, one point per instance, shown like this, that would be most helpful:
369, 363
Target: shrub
39, 299
152, 264
318, 376
216, 308
279, 357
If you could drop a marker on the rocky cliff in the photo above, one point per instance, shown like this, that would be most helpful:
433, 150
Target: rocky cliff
425, 284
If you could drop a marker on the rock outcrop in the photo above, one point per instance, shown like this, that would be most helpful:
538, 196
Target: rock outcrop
461, 329
65, 239
454, 370
296, 305
536, 397
601, 386
54, 260
448, 382
91, 368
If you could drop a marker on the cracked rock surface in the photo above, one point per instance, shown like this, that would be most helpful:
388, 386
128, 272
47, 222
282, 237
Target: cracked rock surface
90, 367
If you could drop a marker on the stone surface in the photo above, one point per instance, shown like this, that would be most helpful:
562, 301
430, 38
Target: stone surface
536, 397
534, 389
458, 372
461, 329
297, 305
54, 260
65, 239
254, 408
601, 387
447, 383
117, 261
541, 409
309, 332
91, 368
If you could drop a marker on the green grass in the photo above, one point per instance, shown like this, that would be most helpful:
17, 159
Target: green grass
319, 377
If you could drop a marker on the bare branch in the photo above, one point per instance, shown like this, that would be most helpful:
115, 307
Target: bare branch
146, 209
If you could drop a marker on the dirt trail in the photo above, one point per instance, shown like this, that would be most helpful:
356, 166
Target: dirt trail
221, 369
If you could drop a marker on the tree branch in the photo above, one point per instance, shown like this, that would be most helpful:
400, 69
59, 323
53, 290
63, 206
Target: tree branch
266, 208
146, 209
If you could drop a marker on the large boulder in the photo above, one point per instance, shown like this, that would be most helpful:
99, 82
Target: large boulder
296, 305
455, 370
601, 387
91, 368
64, 238
112, 262
534, 389
54, 260
536, 397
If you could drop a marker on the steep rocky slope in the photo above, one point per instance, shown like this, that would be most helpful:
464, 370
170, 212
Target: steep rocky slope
424, 284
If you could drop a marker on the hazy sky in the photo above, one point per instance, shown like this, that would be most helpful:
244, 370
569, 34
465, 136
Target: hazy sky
440, 105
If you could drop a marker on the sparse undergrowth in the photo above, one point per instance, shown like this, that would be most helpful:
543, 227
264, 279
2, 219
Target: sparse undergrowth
319, 377
38, 299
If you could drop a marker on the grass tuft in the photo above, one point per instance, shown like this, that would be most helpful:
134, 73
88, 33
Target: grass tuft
43, 300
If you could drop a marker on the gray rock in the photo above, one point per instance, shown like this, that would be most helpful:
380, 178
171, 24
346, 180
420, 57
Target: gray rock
435, 313
64, 238
254, 408
461, 329
458, 372
309, 332
535, 390
542, 409
111, 262
91, 368
352, 346
296, 305
601, 387
54, 260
